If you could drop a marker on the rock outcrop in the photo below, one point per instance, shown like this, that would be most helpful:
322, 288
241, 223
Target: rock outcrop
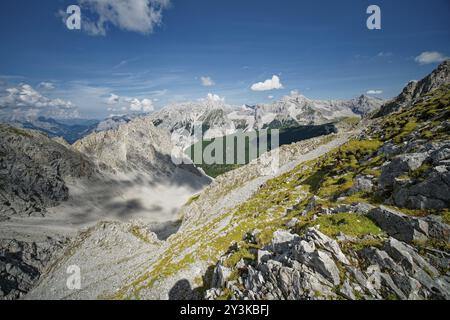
21, 264
313, 266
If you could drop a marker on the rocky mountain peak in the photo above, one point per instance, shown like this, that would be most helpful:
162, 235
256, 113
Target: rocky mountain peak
417, 89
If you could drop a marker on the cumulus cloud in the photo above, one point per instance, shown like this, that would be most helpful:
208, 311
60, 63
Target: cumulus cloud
46, 85
140, 16
270, 97
129, 104
374, 92
270, 84
207, 82
214, 98
295, 92
144, 105
24, 102
428, 57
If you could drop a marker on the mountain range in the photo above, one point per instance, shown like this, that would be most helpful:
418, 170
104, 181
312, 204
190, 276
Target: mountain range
218, 118
362, 213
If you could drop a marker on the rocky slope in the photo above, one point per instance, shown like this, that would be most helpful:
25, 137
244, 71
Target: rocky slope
335, 225
362, 214
135, 146
315, 266
33, 171
373, 222
49, 190
169, 257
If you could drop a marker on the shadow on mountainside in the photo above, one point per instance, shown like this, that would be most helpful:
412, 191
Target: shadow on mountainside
182, 289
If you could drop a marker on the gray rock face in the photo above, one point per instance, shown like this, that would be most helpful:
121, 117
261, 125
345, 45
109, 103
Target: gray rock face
407, 228
429, 190
389, 149
21, 264
397, 224
431, 193
314, 267
400, 165
361, 183
359, 207
220, 275
32, 171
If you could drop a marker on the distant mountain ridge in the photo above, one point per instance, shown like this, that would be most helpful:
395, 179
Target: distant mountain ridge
71, 130
219, 119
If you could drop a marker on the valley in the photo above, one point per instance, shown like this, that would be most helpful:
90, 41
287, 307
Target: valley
355, 208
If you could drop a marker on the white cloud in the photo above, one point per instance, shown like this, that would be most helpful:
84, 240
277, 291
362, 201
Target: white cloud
215, 98
270, 97
207, 82
144, 105
23, 102
129, 104
132, 15
428, 57
374, 92
270, 84
113, 99
46, 85
295, 92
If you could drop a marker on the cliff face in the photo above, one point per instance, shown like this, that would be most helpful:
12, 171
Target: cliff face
33, 171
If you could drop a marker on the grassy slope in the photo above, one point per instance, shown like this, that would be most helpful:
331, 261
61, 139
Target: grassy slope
285, 197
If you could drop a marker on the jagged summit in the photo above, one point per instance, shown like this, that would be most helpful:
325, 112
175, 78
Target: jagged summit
220, 119
416, 89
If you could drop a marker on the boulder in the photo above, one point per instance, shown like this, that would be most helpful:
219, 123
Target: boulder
361, 184
282, 241
220, 276
400, 165
399, 225
432, 192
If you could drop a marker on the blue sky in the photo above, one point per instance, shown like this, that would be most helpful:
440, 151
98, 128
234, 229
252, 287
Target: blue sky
320, 48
